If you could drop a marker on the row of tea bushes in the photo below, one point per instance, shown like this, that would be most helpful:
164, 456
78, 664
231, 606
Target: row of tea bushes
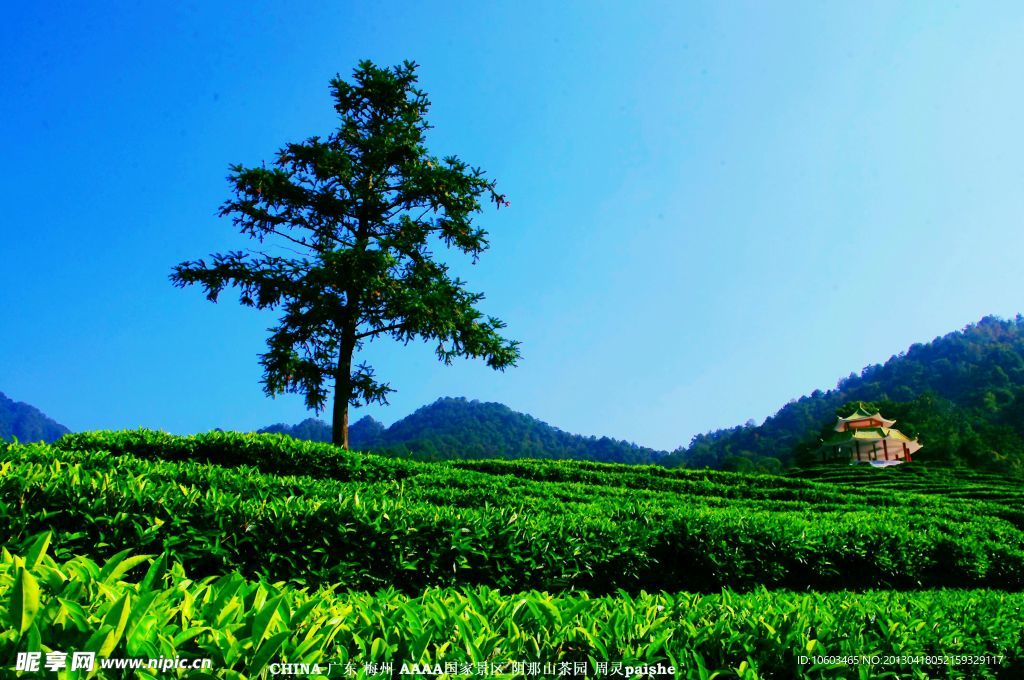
478, 483
449, 526
142, 607
1003, 496
282, 455
274, 453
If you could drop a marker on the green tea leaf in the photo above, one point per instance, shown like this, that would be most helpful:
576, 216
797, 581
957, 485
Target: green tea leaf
24, 601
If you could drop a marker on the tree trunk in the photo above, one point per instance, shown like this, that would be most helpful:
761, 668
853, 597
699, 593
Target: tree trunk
349, 324
342, 391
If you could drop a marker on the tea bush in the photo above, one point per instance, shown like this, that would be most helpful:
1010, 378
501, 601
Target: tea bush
448, 525
137, 606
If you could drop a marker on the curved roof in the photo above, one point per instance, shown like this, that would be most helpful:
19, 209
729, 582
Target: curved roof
861, 413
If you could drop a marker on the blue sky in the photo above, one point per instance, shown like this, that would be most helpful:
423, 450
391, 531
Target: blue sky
716, 207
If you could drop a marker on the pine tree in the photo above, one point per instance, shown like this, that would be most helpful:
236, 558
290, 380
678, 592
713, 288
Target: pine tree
358, 211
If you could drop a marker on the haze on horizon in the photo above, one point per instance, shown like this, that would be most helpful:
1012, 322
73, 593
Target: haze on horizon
715, 208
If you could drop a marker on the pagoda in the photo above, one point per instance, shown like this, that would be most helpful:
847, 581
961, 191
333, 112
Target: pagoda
869, 438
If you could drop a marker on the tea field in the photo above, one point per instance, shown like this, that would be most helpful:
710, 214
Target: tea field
253, 550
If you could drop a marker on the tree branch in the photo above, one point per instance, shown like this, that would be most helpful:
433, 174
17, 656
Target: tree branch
378, 331
299, 242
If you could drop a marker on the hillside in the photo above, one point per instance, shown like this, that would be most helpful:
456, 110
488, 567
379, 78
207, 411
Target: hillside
968, 385
459, 428
26, 423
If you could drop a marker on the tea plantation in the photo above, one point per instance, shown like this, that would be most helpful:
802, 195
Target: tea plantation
256, 549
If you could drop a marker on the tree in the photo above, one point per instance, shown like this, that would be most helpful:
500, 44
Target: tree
359, 213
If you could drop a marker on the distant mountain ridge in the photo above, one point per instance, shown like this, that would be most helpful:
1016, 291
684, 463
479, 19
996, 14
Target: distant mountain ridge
455, 427
26, 423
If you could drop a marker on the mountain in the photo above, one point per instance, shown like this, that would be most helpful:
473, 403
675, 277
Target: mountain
361, 434
27, 423
962, 393
309, 429
460, 428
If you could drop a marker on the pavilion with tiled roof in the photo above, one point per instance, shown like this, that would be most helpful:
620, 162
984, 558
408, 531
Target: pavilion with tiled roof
868, 437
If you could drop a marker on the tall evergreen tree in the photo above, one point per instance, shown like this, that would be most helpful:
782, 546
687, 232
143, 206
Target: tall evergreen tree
359, 213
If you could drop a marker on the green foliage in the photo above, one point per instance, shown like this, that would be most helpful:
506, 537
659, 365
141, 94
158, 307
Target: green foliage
272, 453
947, 481
963, 393
237, 558
361, 210
153, 609
373, 522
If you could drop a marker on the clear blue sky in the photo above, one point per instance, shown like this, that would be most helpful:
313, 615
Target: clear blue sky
716, 207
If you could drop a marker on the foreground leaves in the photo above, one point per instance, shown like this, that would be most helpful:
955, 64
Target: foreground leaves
244, 625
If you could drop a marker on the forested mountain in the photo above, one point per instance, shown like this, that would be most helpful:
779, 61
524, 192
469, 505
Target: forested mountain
962, 393
27, 423
460, 428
